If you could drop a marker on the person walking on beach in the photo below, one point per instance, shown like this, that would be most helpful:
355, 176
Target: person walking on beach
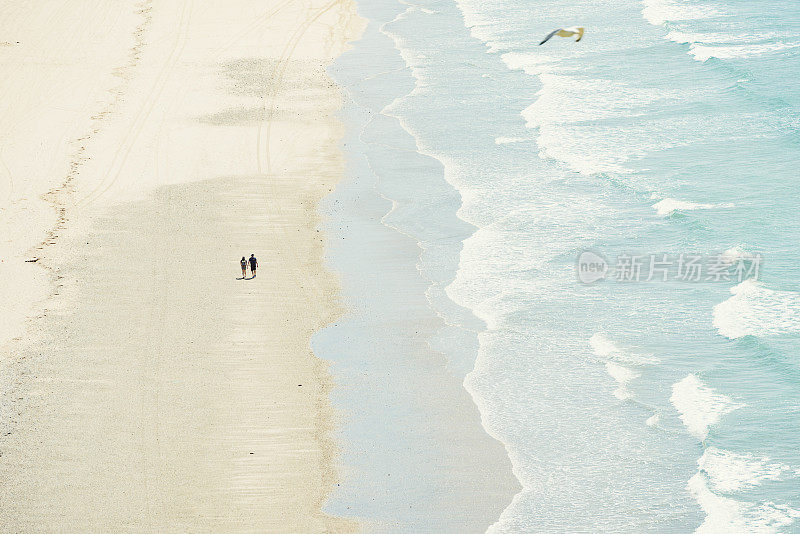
244, 268
253, 264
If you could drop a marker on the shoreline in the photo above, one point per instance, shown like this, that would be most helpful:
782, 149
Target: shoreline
416, 455
155, 391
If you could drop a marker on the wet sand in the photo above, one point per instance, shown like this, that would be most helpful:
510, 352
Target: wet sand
170, 395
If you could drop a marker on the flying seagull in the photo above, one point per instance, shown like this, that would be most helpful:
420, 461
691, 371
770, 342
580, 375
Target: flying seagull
565, 32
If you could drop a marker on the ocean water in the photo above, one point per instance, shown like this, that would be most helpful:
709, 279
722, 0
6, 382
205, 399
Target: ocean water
656, 403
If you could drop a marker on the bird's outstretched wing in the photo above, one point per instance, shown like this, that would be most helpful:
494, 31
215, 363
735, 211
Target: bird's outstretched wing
549, 35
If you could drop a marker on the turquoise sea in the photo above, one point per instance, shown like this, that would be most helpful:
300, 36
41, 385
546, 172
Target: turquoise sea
666, 143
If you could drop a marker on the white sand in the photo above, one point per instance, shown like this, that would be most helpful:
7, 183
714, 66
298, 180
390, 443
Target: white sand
149, 390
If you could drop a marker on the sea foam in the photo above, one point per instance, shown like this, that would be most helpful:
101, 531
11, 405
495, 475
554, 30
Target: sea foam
705, 52
605, 348
658, 12
736, 253
618, 362
570, 114
668, 206
699, 406
707, 45
719, 38
730, 472
622, 375
758, 311
725, 515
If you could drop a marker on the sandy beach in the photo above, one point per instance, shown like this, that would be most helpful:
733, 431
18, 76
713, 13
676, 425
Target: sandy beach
508, 283
150, 146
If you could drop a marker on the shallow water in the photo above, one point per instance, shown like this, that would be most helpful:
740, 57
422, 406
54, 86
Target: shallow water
667, 404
